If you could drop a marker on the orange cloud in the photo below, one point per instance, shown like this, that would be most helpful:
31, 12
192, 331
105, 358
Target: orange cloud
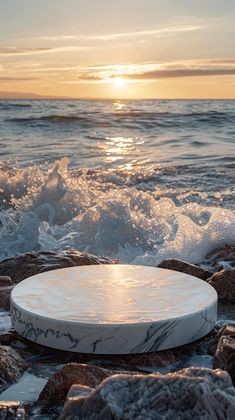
152, 71
11, 51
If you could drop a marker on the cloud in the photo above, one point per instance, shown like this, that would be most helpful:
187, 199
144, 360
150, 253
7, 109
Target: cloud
222, 61
153, 71
22, 51
163, 74
156, 32
136, 72
17, 79
14, 51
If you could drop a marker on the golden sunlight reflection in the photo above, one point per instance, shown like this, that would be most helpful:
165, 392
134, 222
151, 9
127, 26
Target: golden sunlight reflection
123, 288
118, 147
119, 106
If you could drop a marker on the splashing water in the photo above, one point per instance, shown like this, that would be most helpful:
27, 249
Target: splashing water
54, 207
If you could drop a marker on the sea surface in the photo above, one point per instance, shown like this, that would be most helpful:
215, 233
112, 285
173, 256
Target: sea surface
136, 180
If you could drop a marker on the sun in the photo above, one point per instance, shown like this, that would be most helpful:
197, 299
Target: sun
119, 82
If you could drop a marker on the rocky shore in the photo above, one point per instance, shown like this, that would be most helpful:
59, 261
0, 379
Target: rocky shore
193, 381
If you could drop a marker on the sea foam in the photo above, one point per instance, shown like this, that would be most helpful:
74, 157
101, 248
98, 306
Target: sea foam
50, 207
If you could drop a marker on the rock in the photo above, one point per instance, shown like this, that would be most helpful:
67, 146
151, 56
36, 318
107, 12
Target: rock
31, 263
12, 366
6, 286
222, 257
226, 310
224, 284
225, 352
14, 340
5, 281
23, 347
184, 267
212, 341
6, 338
11, 410
146, 361
57, 387
227, 330
78, 391
5, 294
198, 393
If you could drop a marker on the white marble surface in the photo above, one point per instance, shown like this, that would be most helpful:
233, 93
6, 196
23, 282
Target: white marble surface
113, 309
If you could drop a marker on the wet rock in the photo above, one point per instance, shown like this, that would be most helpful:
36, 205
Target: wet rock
5, 294
12, 366
224, 284
5, 281
222, 257
191, 393
11, 410
212, 341
24, 347
148, 361
6, 286
226, 311
225, 352
57, 387
8, 337
5, 338
184, 267
31, 263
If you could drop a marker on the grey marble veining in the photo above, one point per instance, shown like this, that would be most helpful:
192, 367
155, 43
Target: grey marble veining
113, 309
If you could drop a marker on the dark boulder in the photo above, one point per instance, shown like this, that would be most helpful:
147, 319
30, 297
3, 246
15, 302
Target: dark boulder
12, 366
184, 267
225, 352
224, 284
58, 385
221, 258
31, 263
5, 294
5, 281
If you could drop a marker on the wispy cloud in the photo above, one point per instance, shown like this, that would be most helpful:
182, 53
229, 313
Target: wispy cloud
22, 51
156, 32
14, 51
17, 79
183, 73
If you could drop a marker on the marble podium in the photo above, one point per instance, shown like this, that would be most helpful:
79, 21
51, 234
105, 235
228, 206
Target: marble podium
113, 309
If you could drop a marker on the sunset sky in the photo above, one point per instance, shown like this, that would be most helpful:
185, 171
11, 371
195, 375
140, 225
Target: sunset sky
125, 48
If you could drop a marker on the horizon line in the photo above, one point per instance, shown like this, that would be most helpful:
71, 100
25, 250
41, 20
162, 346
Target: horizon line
87, 98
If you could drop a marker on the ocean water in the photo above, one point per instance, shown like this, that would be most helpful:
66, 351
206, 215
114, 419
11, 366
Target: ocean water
136, 180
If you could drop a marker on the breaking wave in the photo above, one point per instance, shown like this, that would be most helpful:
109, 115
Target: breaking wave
52, 206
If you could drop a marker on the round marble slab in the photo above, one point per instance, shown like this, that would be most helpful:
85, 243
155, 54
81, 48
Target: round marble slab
113, 309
